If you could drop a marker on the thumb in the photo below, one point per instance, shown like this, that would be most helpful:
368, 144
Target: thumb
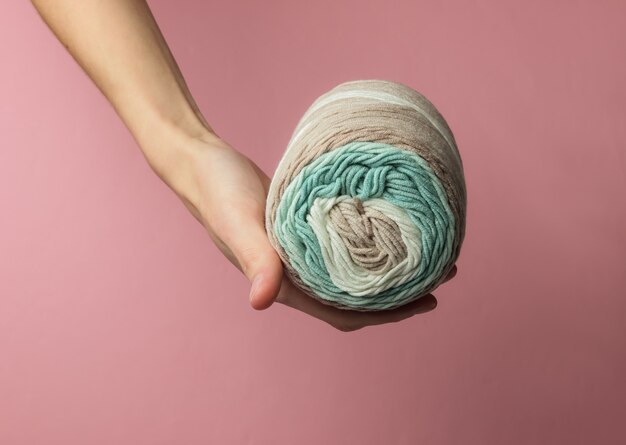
258, 260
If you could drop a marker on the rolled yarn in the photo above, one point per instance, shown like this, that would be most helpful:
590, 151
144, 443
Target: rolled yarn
367, 206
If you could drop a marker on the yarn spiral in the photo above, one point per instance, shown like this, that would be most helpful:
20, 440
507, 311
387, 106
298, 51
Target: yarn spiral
367, 206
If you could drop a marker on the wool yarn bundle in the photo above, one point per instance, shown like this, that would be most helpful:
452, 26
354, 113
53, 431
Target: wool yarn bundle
367, 206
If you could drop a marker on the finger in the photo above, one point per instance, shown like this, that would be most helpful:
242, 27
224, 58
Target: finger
247, 239
348, 320
451, 274
422, 305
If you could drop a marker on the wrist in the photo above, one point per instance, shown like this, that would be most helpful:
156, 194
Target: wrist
150, 124
176, 151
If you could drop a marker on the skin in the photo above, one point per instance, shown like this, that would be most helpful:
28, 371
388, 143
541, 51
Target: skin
120, 47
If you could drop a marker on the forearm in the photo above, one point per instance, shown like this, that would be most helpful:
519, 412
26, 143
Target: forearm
119, 45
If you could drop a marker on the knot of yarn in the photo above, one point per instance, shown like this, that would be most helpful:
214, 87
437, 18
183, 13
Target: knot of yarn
373, 240
367, 206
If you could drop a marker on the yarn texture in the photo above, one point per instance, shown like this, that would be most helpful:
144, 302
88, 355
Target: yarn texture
367, 206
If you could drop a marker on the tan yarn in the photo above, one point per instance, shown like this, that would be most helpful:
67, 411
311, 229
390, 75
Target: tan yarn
371, 111
373, 239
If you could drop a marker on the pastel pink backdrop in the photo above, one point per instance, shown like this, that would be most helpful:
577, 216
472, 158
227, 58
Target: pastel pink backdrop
120, 323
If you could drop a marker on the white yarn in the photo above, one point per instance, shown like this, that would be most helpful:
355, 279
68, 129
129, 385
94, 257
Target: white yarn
351, 277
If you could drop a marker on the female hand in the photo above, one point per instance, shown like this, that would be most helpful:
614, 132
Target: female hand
119, 45
228, 198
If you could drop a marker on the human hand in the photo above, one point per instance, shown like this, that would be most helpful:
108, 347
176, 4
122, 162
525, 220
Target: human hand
120, 47
227, 194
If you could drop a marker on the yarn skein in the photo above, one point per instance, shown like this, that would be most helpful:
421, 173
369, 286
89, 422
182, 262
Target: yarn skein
367, 206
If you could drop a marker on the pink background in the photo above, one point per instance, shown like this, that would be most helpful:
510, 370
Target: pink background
120, 323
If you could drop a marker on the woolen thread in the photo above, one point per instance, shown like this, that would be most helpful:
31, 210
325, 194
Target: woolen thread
367, 206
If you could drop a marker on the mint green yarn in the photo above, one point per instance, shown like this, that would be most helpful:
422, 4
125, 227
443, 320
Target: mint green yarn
367, 170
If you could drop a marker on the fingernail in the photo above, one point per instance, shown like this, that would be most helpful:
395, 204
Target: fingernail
255, 286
